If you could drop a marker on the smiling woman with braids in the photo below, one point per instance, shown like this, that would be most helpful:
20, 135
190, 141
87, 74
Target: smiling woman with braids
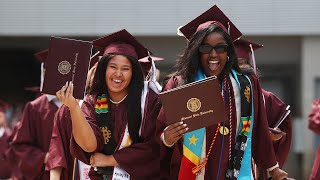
114, 128
222, 151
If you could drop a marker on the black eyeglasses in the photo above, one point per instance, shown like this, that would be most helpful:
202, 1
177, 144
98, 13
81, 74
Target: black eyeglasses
206, 48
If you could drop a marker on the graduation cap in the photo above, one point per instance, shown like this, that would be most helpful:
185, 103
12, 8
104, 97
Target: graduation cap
42, 56
145, 59
146, 64
245, 51
121, 42
212, 16
3, 106
35, 89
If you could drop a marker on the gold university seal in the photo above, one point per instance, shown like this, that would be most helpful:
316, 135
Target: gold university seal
193, 104
64, 67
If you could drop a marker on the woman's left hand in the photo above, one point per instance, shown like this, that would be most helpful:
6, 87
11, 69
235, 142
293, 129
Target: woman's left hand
102, 160
278, 174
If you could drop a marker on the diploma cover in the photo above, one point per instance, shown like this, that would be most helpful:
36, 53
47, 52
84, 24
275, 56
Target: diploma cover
68, 60
198, 104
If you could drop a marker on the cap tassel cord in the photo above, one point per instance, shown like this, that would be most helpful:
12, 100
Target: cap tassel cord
151, 74
94, 55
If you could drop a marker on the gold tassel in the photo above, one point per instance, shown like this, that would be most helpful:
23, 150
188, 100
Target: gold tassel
196, 169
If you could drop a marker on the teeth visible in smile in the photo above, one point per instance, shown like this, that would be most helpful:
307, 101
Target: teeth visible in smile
213, 65
213, 62
117, 80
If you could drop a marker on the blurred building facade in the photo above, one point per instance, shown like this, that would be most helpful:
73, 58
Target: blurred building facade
289, 29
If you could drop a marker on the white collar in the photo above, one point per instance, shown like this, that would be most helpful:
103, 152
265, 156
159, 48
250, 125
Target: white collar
54, 99
50, 97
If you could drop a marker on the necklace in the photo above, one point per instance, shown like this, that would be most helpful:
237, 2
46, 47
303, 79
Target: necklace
118, 101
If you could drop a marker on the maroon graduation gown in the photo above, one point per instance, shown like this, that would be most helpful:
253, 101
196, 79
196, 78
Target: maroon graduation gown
5, 169
262, 150
59, 151
10, 155
140, 160
275, 107
32, 139
314, 125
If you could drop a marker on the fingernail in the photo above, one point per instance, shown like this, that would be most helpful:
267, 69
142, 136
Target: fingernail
181, 122
187, 129
184, 125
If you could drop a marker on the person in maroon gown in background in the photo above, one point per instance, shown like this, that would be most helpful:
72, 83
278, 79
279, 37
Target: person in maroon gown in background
30, 144
110, 131
11, 157
274, 106
314, 125
5, 169
61, 164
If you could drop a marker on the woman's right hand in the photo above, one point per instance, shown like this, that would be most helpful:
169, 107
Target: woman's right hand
65, 95
174, 132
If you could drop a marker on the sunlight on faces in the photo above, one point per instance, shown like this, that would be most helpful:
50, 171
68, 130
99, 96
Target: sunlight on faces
118, 76
213, 63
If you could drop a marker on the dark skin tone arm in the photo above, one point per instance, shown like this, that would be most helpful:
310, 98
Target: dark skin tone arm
174, 132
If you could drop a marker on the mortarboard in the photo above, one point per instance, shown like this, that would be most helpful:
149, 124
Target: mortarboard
121, 42
145, 59
212, 16
146, 64
42, 56
245, 50
35, 89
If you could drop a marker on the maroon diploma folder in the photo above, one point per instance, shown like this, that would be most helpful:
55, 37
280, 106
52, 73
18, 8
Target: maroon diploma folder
198, 104
68, 60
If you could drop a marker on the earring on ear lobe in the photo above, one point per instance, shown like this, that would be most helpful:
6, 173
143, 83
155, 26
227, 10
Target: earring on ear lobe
228, 58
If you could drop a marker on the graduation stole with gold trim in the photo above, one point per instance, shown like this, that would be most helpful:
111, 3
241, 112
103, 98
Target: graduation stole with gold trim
104, 121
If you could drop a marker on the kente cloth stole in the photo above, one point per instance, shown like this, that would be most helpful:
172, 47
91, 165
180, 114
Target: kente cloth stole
240, 163
105, 123
192, 146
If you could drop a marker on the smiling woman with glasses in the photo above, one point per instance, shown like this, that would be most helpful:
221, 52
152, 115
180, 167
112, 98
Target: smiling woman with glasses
224, 150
